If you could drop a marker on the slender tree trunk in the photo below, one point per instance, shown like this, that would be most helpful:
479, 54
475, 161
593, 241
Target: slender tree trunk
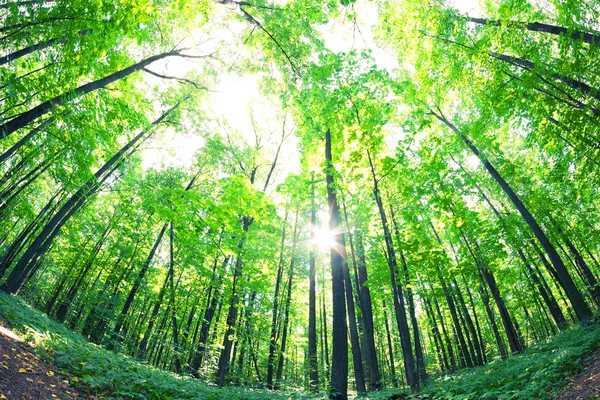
577, 301
272, 339
224, 358
354, 340
286, 317
209, 313
40, 245
586, 37
143, 347
339, 370
35, 47
313, 367
27, 117
137, 283
176, 359
421, 372
372, 368
409, 361
390, 347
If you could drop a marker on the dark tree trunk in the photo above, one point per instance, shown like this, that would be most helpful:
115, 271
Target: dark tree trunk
339, 370
371, 366
421, 372
40, 245
224, 359
35, 47
272, 338
354, 340
586, 37
176, 359
63, 307
313, 367
143, 347
137, 283
29, 116
390, 347
286, 316
209, 313
577, 301
399, 306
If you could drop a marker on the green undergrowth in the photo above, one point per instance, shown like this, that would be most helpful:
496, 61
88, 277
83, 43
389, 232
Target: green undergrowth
538, 373
107, 374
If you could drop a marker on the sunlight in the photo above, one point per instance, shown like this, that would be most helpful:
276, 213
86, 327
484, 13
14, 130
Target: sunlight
323, 238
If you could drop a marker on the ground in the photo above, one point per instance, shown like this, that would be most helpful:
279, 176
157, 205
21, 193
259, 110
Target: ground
586, 385
24, 375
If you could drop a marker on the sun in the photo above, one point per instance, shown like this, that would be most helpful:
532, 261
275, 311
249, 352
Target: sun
323, 238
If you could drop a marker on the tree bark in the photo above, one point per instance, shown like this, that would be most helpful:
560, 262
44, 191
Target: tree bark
27, 117
586, 37
338, 389
577, 301
409, 362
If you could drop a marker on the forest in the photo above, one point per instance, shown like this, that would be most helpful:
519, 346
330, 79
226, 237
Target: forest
322, 198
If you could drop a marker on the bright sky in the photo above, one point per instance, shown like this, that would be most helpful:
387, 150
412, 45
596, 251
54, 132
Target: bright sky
235, 97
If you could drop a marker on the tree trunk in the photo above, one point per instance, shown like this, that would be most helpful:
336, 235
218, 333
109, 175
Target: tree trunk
577, 301
40, 245
409, 361
138, 281
35, 47
29, 116
313, 367
272, 338
586, 37
339, 371
371, 366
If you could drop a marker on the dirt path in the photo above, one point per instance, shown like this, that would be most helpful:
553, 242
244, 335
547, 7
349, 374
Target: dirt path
586, 385
23, 375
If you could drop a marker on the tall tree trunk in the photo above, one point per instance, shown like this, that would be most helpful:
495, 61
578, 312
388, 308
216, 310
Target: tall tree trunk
586, 37
272, 338
223, 366
176, 359
339, 370
313, 367
209, 313
40, 245
143, 347
421, 372
286, 316
354, 340
27, 117
371, 366
35, 47
577, 301
409, 362
390, 347
137, 283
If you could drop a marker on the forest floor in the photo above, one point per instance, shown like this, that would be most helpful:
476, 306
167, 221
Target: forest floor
24, 375
41, 359
585, 385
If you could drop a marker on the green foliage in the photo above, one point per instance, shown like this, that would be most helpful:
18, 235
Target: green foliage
109, 374
539, 373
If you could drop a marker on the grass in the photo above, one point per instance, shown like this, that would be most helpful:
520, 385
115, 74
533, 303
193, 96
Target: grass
538, 373
107, 374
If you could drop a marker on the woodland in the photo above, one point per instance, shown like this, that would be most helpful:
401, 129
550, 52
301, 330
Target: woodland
409, 195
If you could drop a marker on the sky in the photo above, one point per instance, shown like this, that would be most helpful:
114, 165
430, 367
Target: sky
236, 97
